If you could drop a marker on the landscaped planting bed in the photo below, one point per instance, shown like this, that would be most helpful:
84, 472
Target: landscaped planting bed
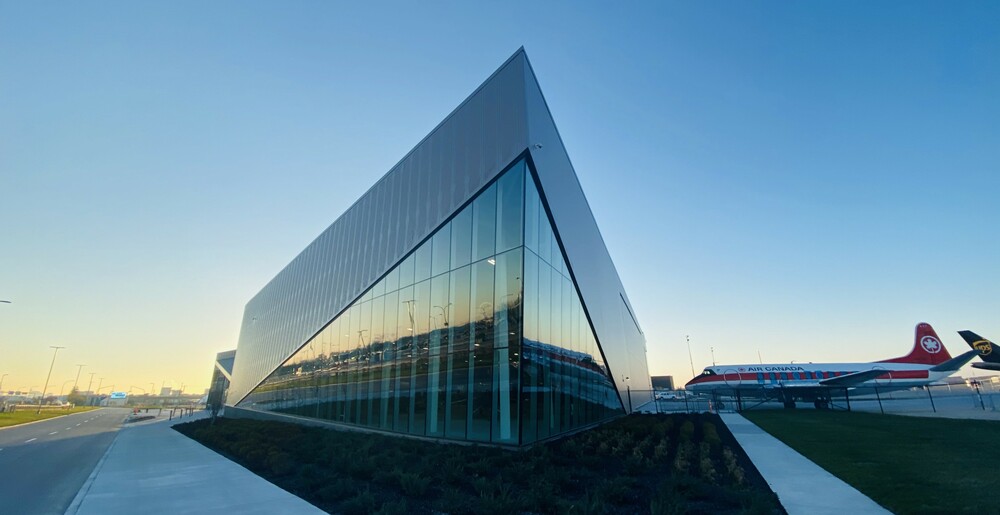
660, 464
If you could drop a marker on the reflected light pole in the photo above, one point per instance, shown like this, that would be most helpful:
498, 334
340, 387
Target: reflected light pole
54, 353
1, 383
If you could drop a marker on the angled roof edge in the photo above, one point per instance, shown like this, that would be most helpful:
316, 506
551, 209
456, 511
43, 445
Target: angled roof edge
518, 53
468, 148
594, 271
530, 75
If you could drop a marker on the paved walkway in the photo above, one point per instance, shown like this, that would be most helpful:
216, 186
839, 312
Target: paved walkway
152, 469
802, 486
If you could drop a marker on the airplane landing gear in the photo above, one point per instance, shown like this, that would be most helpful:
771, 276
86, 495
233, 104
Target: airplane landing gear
822, 404
789, 404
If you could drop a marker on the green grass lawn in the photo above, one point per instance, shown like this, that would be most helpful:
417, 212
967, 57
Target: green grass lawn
906, 464
24, 416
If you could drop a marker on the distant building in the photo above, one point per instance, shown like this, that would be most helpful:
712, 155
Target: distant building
165, 391
222, 374
662, 382
468, 295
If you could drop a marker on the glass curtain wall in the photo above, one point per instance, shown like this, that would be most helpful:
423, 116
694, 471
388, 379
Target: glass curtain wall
477, 335
564, 380
433, 348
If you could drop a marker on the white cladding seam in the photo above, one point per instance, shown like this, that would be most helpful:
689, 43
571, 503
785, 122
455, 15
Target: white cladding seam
502, 118
462, 154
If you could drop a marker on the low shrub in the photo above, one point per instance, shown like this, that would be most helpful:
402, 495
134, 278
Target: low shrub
660, 464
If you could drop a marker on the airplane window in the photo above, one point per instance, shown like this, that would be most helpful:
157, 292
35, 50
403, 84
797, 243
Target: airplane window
708, 372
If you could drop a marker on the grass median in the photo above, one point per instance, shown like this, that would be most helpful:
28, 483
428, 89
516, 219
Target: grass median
25, 415
909, 465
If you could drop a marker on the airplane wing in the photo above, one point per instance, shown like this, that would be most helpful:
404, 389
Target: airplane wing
853, 379
955, 363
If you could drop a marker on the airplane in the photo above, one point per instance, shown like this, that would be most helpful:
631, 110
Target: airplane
988, 351
927, 362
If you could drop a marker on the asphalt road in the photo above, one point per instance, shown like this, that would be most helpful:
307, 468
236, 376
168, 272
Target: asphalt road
43, 465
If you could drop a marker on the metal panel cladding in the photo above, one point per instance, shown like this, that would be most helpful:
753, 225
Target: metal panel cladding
502, 119
467, 150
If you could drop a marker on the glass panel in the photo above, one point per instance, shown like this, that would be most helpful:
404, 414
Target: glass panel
422, 262
459, 329
482, 303
481, 401
350, 404
544, 303
484, 211
505, 426
441, 254
555, 252
510, 208
406, 271
436, 380
482, 316
544, 236
532, 205
507, 299
343, 358
458, 394
530, 317
406, 323
374, 361
390, 354
461, 238
422, 315
392, 280
364, 342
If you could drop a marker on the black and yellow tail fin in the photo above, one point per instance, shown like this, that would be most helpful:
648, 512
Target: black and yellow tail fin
988, 351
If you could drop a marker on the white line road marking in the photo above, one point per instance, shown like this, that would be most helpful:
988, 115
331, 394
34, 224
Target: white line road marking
54, 432
68, 428
78, 425
32, 440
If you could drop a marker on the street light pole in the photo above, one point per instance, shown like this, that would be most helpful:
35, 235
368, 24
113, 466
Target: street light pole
40, 399
91, 383
78, 370
1, 383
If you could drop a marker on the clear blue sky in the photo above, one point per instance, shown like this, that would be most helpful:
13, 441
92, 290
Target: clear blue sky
807, 179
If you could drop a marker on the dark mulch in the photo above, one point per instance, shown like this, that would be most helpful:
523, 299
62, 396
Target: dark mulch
641, 464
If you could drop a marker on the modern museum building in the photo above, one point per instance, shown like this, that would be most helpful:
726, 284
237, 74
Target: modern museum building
468, 295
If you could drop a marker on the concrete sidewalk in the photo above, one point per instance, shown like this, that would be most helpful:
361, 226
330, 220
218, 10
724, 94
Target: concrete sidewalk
803, 487
151, 468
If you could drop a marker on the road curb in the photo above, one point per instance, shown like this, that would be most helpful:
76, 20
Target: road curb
74, 506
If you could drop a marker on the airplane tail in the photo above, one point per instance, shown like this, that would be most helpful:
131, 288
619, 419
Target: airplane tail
988, 351
927, 348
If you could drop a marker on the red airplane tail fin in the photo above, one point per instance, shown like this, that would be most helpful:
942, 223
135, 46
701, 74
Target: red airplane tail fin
927, 348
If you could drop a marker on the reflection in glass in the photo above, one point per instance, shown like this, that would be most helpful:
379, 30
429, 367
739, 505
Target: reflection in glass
479, 334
